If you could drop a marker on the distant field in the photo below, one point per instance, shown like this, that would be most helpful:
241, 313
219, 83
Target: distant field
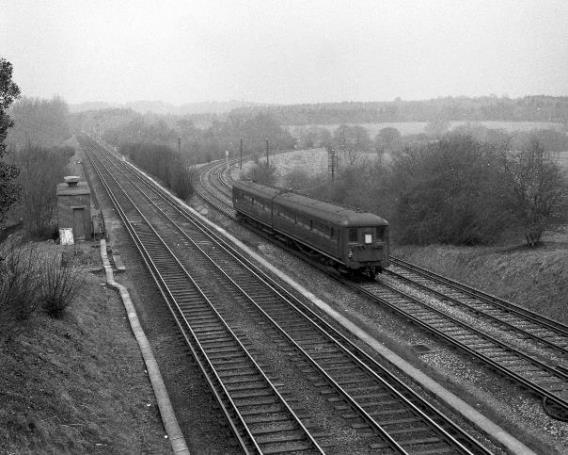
406, 128
315, 161
312, 162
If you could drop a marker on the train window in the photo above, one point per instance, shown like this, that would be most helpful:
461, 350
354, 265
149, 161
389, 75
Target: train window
353, 234
368, 238
380, 232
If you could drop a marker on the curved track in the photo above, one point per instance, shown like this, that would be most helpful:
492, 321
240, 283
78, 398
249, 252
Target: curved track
196, 269
521, 345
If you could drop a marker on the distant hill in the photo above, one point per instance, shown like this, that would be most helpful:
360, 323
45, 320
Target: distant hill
487, 108
541, 108
161, 107
90, 106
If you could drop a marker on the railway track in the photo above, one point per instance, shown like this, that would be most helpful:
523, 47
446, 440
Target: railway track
522, 346
234, 341
513, 318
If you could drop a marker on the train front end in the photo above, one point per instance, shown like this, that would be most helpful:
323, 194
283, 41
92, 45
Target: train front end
366, 240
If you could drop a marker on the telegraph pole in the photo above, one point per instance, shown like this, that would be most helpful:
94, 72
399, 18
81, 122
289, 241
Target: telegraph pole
331, 161
267, 152
241, 154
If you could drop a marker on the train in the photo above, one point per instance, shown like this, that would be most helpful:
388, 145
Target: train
350, 241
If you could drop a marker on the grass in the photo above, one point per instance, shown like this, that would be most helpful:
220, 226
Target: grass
76, 384
535, 278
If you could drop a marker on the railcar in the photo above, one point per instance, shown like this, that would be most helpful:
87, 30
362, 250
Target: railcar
346, 239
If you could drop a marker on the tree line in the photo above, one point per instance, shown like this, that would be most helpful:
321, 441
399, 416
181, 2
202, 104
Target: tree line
455, 190
356, 138
529, 108
196, 144
32, 160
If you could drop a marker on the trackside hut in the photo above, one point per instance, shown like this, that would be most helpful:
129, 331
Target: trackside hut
74, 207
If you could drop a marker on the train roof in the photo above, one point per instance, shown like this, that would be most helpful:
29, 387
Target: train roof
335, 214
322, 210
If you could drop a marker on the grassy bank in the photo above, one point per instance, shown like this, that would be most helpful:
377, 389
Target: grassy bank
77, 384
536, 278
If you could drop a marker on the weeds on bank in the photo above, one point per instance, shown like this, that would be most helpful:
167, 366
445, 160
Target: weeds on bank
18, 285
59, 284
31, 279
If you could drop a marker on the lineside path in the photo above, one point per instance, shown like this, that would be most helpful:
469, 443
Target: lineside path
169, 419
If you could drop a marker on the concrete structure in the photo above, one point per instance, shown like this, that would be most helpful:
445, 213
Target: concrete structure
74, 207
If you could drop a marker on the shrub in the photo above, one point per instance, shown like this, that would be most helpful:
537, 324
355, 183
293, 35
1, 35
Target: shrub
260, 173
450, 191
18, 285
60, 282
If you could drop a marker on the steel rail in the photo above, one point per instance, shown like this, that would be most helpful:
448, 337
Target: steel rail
533, 386
181, 321
556, 370
372, 422
187, 327
350, 354
390, 441
513, 327
227, 393
250, 358
548, 323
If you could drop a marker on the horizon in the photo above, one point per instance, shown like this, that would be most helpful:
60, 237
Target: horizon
396, 99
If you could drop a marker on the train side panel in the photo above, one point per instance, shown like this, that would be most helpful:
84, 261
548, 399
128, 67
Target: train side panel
256, 205
354, 240
309, 229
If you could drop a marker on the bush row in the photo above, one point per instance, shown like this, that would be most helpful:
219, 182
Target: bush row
163, 163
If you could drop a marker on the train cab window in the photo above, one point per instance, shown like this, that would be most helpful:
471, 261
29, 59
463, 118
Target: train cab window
368, 239
353, 234
380, 233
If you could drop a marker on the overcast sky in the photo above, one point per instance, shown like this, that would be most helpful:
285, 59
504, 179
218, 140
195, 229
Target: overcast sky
285, 51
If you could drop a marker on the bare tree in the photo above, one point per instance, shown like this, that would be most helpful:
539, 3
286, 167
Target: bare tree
539, 191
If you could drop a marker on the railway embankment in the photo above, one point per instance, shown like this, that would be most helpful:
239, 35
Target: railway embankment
535, 278
78, 384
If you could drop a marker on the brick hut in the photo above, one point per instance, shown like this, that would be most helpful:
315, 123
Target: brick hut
74, 207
